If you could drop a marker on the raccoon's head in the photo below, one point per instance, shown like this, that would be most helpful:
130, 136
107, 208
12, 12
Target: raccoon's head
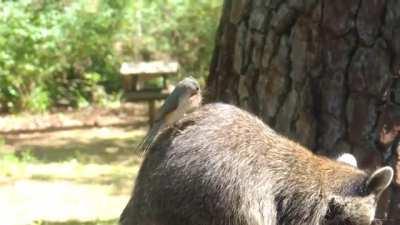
359, 209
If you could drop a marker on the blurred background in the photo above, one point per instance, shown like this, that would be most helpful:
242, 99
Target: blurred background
67, 138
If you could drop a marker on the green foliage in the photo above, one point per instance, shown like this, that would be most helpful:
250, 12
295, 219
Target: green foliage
50, 51
67, 53
178, 29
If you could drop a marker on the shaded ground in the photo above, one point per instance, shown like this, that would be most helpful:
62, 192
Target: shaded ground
73, 176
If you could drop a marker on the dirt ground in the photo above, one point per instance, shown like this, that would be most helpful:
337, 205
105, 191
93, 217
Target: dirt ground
64, 173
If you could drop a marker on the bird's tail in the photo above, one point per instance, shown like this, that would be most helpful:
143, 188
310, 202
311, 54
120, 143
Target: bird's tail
151, 135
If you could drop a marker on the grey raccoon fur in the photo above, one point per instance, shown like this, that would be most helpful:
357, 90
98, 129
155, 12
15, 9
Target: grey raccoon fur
221, 165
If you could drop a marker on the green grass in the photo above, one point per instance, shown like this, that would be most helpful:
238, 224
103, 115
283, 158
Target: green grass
12, 166
2, 142
103, 161
97, 165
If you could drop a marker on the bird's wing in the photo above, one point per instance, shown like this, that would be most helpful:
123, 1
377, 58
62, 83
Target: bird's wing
170, 104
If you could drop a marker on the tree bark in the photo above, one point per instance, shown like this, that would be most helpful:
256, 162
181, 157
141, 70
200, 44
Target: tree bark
322, 72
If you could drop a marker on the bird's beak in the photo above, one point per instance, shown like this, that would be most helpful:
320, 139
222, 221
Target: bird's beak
195, 92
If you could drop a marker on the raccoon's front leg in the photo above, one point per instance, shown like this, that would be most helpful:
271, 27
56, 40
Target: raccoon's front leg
260, 211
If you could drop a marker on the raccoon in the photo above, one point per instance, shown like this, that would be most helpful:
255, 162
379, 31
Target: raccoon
221, 165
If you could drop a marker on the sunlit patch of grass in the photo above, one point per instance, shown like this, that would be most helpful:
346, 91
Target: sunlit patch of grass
12, 165
92, 169
75, 222
117, 176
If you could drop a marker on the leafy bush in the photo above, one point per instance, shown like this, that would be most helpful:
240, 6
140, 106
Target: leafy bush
67, 53
180, 29
49, 51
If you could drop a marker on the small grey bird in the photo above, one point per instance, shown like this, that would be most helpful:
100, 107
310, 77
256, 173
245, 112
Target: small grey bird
184, 98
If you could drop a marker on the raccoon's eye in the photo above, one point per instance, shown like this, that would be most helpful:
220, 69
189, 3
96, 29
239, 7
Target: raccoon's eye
331, 218
334, 209
335, 214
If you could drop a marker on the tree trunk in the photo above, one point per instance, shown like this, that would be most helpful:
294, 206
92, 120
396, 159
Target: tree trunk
322, 72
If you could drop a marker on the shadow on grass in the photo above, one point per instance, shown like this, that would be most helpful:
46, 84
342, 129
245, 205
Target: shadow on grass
76, 222
85, 150
101, 156
66, 128
120, 183
100, 151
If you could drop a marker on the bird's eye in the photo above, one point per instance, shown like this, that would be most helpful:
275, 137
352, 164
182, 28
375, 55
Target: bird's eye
194, 92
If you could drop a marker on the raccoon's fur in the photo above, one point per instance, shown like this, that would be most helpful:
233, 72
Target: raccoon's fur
222, 166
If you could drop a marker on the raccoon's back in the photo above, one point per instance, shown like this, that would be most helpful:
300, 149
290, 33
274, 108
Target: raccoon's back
225, 133
199, 171
222, 165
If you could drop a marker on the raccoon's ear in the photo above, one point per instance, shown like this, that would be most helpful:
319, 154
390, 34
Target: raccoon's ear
347, 158
379, 180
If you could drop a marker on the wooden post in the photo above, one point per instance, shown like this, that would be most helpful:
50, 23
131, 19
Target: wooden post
152, 108
136, 83
127, 83
164, 77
